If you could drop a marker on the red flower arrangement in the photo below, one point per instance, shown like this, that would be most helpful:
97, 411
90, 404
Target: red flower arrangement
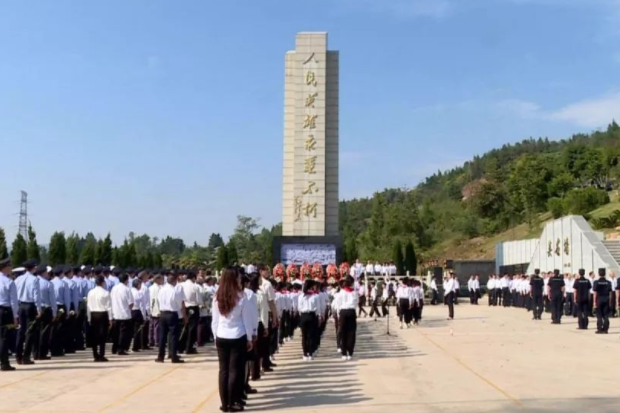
317, 271
279, 274
292, 272
306, 271
344, 269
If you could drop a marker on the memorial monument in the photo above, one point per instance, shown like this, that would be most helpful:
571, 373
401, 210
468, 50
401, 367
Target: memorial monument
310, 172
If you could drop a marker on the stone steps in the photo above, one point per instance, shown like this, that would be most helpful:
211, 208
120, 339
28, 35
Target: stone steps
613, 246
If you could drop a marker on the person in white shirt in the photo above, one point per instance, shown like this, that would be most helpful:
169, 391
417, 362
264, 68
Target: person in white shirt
361, 291
193, 301
448, 292
346, 303
122, 304
308, 305
270, 295
170, 303
138, 314
470, 289
434, 292
476, 288
404, 302
144, 289
99, 315
232, 326
154, 304
417, 301
569, 298
370, 269
378, 268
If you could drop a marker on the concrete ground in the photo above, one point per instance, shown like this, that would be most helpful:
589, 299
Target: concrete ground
487, 360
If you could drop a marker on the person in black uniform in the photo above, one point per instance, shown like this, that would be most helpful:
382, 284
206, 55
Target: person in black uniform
581, 289
537, 285
602, 295
556, 295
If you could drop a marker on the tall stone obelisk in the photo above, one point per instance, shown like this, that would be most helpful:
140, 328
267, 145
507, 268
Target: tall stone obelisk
310, 176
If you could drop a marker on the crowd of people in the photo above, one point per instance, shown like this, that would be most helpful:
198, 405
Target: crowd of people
50, 312
580, 296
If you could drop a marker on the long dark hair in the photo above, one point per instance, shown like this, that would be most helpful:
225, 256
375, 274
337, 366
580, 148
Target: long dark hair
228, 293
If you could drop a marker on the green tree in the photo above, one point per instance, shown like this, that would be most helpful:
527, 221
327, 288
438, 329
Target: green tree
157, 260
233, 257
244, 240
43, 254
582, 201
350, 246
19, 251
4, 251
215, 240
557, 207
105, 255
398, 258
561, 184
89, 252
222, 257
58, 249
73, 255
115, 256
33, 247
411, 262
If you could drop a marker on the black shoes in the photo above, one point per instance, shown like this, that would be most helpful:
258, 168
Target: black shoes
177, 361
122, 353
7, 367
158, 360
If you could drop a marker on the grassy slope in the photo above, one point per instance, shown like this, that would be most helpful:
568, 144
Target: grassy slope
484, 247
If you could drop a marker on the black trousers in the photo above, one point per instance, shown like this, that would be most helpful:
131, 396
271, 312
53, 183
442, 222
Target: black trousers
285, 321
583, 312
168, 325
80, 326
476, 296
374, 308
309, 323
204, 330
124, 332
348, 330
231, 354
137, 321
434, 297
569, 304
190, 332
6, 319
450, 302
538, 306
258, 352
404, 310
602, 315
42, 341
506, 296
360, 306
263, 347
98, 332
58, 332
556, 308
384, 307
28, 329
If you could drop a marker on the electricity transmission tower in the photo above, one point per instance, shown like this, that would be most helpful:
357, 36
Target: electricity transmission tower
23, 215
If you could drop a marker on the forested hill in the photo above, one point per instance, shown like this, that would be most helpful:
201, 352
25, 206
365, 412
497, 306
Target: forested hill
486, 196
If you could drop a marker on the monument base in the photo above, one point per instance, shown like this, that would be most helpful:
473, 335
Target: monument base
307, 249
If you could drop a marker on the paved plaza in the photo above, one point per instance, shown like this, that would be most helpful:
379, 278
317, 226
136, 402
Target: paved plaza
487, 360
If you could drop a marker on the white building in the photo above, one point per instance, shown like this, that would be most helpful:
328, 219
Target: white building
566, 244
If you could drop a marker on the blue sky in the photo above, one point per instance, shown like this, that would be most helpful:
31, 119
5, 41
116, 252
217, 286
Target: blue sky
166, 117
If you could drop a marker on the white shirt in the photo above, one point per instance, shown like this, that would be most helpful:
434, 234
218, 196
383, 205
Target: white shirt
308, 303
491, 284
153, 293
192, 294
237, 323
170, 298
378, 268
98, 301
139, 301
369, 269
361, 290
433, 284
346, 300
504, 283
267, 288
402, 292
122, 299
253, 308
475, 284
263, 308
448, 286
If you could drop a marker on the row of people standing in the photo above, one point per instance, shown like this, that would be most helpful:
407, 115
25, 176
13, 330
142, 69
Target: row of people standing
410, 299
581, 296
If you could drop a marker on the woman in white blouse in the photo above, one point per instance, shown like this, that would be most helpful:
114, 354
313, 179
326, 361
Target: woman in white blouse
348, 300
232, 327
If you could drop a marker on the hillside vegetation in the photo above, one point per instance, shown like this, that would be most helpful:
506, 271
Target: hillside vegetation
505, 194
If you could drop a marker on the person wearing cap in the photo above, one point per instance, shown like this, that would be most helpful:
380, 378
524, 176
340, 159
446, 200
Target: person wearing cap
29, 296
581, 289
602, 295
99, 316
48, 312
155, 312
63, 303
122, 305
556, 296
9, 310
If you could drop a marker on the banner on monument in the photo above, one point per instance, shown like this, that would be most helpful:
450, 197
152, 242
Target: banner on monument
308, 253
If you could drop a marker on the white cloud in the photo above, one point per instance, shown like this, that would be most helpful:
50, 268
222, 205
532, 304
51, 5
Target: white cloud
407, 8
593, 113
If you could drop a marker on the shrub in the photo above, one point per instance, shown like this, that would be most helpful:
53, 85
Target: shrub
582, 201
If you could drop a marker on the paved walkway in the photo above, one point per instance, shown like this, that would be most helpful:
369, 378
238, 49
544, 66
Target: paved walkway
487, 360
